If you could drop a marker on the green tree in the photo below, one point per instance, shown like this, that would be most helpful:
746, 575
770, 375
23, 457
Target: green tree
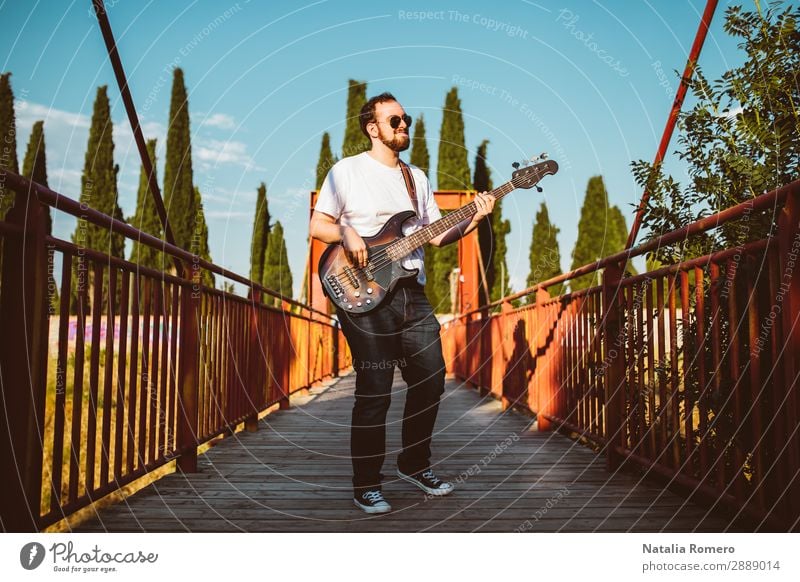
492, 232
146, 218
179, 195
34, 167
545, 256
419, 147
452, 173
258, 245
326, 160
8, 141
277, 275
355, 141
739, 140
595, 239
98, 191
199, 241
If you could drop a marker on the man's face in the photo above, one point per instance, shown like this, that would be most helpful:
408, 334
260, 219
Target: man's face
395, 139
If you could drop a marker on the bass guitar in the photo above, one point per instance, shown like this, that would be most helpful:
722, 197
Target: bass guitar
359, 290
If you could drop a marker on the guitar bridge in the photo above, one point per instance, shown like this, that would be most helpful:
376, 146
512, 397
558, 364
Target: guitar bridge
335, 285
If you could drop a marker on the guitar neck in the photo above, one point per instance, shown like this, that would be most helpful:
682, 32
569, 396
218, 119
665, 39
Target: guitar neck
406, 245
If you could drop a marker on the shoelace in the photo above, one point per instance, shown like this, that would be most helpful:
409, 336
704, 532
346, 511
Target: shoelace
373, 496
431, 477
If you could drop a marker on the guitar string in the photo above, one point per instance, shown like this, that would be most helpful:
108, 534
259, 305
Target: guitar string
347, 284
383, 254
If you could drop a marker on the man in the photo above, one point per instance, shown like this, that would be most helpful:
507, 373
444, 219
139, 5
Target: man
359, 195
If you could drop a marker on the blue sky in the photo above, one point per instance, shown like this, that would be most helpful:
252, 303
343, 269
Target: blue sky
588, 82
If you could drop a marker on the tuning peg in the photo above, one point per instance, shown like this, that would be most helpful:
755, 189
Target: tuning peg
543, 155
515, 165
539, 189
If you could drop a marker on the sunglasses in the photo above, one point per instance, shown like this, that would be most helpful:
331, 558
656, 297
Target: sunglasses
394, 121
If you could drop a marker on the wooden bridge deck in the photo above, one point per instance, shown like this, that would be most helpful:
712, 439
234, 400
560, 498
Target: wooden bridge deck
293, 474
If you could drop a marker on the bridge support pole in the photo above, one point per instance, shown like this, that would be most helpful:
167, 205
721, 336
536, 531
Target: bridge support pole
789, 247
255, 379
614, 362
188, 375
23, 364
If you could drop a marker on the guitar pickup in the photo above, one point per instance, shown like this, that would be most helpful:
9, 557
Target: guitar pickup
350, 275
368, 272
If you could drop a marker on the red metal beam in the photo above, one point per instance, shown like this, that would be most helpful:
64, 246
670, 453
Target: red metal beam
133, 118
677, 104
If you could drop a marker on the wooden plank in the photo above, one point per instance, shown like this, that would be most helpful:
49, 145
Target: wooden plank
294, 475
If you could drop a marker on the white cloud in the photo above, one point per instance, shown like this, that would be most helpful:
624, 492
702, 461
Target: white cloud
27, 113
220, 120
225, 152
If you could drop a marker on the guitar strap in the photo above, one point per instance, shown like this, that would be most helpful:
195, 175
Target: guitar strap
410, 186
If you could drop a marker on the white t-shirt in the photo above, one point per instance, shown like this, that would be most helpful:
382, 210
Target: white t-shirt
361, 192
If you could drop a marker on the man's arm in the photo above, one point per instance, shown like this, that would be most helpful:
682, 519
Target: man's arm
325, 228
485, 205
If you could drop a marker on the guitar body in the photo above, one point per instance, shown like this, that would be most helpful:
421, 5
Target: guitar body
359, 291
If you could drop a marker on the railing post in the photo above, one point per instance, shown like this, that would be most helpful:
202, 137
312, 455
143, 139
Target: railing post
789, 252
188, 376
23, 364
614, 363
543, 397
335, 336
255, 382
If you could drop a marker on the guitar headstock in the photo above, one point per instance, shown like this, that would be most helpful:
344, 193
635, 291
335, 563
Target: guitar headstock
529, 176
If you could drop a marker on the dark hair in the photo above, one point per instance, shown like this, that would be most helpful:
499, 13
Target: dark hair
367, 114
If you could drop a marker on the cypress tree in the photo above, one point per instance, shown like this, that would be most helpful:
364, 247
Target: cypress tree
34, 167
98, 191
419, 147
258, 245
277, 275
619, 235
146, 218
452, 173
326, 160
8, 141
355, 141
492, 232
199, 243
595, 234
179, 195
545, 257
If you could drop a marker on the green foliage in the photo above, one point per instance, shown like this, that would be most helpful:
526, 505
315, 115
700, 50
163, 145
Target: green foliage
199, 241
452, 171
34, 167
355, 141
8, 140
179, 193
739, 140
594, 233
98, 191
258, 245
277, 275
146, 218
545, 256
452, 174
419, 147
326, 160
492, 233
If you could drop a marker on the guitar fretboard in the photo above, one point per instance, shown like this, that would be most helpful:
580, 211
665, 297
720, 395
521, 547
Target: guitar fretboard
406, 245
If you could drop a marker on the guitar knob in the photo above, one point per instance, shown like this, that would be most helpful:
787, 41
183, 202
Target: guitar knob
349, 306
369, 290
358, 304
369, 301
357, 294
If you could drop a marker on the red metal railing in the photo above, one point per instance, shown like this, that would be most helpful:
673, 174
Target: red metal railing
690, 370
136, 368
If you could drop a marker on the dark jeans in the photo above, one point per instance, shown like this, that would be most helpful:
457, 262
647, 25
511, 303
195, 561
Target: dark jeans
402, 332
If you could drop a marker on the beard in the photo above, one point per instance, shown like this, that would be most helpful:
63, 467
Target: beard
397, 142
